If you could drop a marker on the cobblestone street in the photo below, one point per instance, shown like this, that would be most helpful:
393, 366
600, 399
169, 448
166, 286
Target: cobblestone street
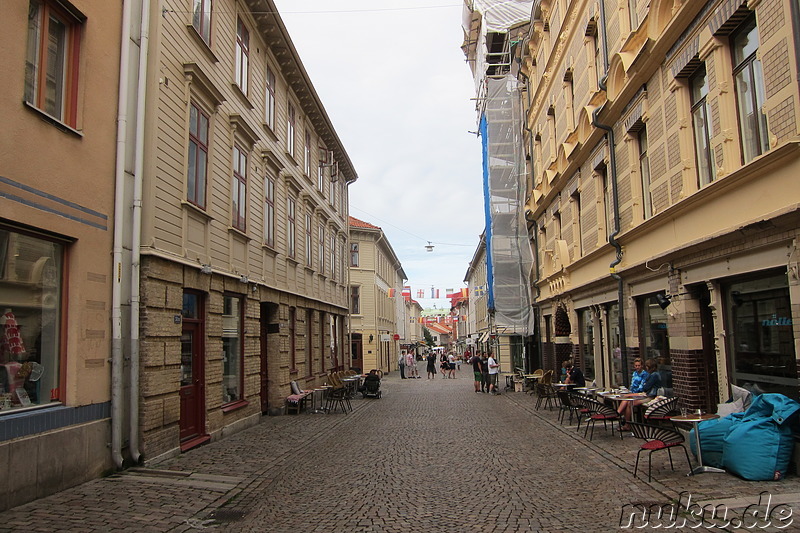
428, 456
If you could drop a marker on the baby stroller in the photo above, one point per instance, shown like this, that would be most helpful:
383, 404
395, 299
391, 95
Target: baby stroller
371, 388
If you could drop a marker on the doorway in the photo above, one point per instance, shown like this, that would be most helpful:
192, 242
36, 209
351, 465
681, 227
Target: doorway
269, 330
192, 403
357, 352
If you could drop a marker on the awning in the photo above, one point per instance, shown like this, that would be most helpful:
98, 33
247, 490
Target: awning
483, 336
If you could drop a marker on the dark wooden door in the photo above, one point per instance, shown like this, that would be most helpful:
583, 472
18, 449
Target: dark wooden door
192, 409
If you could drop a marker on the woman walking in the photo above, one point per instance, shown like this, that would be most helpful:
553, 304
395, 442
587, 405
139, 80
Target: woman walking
431, 358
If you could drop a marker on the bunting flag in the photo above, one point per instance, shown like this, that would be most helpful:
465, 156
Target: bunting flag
407, 289
421, 293
434, 293
464, 292
391, 293
449, 293
479, 290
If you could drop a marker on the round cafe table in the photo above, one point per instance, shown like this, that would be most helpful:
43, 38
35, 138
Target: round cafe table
695, 419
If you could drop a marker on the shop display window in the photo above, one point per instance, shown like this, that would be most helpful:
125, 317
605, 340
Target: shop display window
654, 336
232, 349
761, 336
30, 316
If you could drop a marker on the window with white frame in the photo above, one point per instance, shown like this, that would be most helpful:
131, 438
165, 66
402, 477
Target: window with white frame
242, 55
321, 171
232, 348
309, 244
332, 251
355, 300
291, 226
353, 254
749, 82
197, 168
290, 131
698, 88
52, 61
201, 19
269, 105
269, 211
239, 189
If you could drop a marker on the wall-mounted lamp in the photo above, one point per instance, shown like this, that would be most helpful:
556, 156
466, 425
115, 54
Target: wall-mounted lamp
254, 288
243, 279
371, 338
662, 300
205, 269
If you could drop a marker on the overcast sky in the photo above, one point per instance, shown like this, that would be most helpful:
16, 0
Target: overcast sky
393, 80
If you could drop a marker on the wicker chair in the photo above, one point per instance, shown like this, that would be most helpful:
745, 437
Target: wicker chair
602, 412
657, 438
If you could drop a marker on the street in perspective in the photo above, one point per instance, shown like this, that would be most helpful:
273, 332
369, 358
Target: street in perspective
429, 455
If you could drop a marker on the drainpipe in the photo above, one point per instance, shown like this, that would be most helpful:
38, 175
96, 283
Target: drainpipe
136, 233
615, 197
117, 360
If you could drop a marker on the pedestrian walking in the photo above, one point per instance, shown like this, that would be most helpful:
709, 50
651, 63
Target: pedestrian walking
477, 373
444, 366
411, 366
494, 370
431, 359
484, 372
401, 361
451, 366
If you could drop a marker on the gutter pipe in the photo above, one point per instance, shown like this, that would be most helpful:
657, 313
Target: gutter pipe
615, 196
136, 230
117, 360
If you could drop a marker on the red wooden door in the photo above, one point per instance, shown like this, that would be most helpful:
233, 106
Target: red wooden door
192, 409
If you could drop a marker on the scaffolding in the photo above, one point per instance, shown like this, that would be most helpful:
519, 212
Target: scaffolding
509, 255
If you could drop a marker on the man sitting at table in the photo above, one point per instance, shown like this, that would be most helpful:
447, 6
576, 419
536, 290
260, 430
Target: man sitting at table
574, 375
650, 387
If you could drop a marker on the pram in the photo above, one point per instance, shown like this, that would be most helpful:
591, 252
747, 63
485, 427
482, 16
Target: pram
371, 388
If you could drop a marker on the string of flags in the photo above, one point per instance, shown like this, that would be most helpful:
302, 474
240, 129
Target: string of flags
477, 290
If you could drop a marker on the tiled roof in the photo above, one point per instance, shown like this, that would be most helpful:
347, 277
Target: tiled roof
355, 223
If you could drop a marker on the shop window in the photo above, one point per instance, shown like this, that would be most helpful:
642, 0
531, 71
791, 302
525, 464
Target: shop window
654, 336
30, 316
761, 336
51, 67
587, 338
612, 334
232, 349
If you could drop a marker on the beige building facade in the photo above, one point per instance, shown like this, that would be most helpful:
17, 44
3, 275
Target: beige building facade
243, 226
662, 140
376, 284
57, 167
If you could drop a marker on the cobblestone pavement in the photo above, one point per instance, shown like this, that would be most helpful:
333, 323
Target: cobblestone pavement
428, 456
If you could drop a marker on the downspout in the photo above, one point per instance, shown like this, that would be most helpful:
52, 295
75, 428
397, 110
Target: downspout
136, 230
117, 360
610, 140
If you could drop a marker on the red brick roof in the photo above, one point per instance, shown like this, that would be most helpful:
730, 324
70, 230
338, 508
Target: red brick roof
356, 223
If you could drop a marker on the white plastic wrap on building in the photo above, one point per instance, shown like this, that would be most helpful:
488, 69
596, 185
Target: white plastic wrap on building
509, 257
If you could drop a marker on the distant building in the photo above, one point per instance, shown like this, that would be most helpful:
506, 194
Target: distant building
377, 301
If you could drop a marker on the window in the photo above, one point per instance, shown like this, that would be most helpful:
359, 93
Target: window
292, 340
30, 336
291, 227
290, 122
353, 254
269, 211
586, 324
242, 55
51, 67
269, 107
198, 156
633, 14
698, 85
612, 334
309, 244
576, 223
332, 251
239, 189
355, 300
232, 349
321, 176
599, 67
332, 191
608, 199
321, 248
309, 341
749, 81
644, 170
653, 331
201, 19
307, 156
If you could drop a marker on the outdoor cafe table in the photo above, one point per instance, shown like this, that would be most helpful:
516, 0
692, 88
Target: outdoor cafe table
624, 397
695, 419
564, 386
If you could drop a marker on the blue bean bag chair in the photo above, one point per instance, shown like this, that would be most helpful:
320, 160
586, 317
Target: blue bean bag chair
759, 447
712, 433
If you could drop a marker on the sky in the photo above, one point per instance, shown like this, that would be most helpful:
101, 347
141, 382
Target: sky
395, 84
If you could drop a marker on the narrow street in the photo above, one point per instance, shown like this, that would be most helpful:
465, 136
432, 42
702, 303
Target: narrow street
428, 456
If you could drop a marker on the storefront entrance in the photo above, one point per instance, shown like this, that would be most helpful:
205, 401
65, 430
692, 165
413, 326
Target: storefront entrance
192, 418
